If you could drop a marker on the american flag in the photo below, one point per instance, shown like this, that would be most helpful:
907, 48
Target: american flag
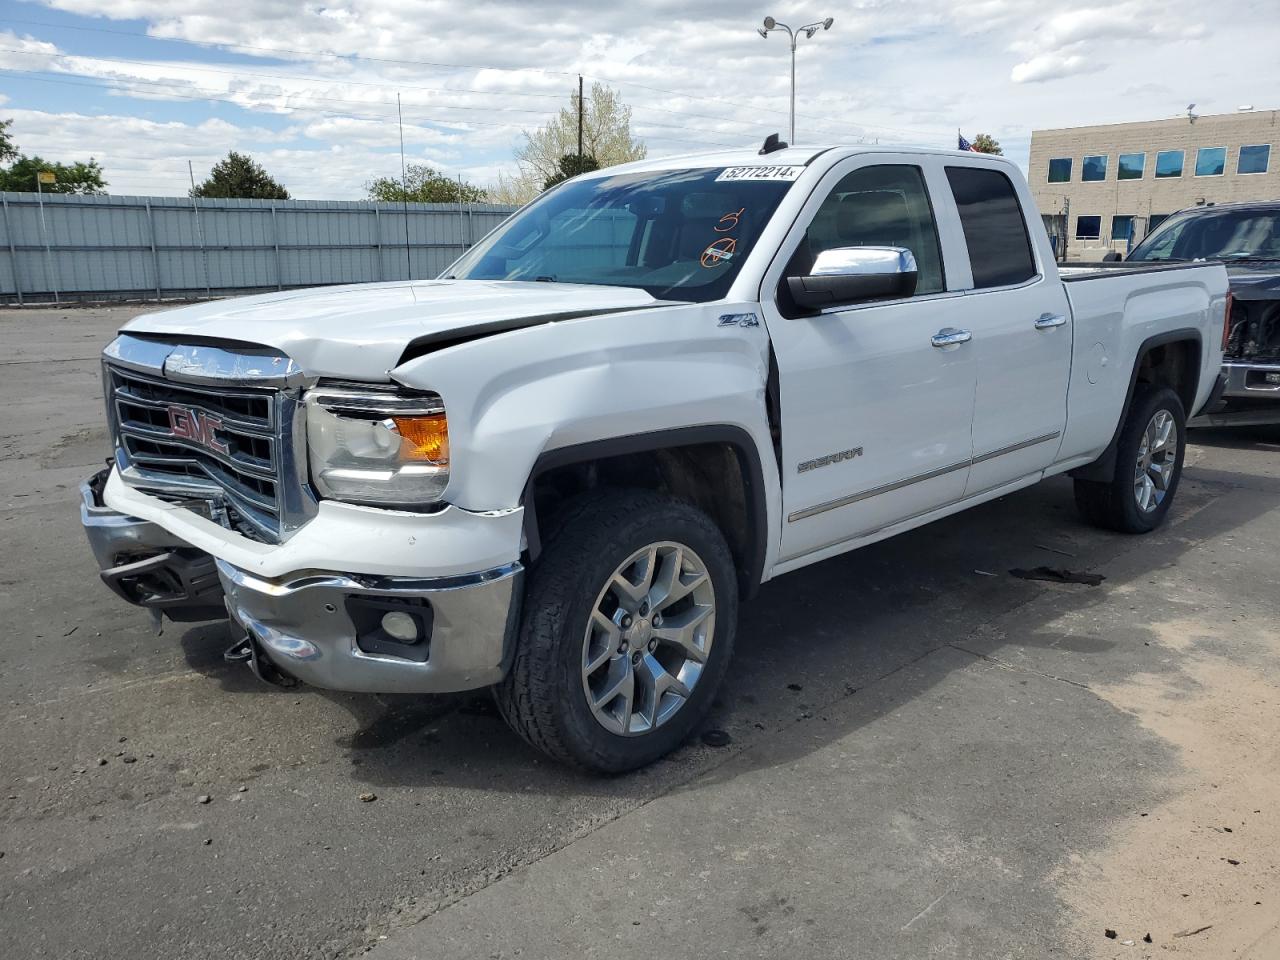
964, 144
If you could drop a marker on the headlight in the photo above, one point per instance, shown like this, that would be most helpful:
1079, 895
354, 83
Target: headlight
382, 448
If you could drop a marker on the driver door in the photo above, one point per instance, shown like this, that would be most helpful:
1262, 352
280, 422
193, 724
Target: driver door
876, 414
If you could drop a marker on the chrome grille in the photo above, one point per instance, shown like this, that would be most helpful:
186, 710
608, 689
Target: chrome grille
203, 441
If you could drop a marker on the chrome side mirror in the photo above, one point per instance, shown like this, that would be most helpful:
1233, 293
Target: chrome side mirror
844, 275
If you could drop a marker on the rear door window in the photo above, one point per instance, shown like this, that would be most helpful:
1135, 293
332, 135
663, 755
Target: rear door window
995, 231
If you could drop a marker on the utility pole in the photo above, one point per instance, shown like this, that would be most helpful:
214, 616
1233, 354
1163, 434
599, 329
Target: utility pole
579, 122
204, 251
404, 195
43, 177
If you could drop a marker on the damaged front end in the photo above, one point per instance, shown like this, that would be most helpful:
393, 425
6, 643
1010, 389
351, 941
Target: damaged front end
1251, 354
1255, 330
146, 565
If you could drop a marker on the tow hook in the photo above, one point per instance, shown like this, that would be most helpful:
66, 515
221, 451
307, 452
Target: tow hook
246, 650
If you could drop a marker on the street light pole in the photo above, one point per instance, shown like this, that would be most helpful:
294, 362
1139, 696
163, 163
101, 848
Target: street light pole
809, 29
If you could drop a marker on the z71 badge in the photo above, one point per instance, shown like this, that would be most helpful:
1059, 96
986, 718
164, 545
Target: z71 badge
738, 320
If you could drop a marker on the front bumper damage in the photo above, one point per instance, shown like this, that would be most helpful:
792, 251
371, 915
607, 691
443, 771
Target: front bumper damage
320, 627
146, 565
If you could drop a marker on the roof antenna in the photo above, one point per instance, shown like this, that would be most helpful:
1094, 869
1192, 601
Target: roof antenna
772, 144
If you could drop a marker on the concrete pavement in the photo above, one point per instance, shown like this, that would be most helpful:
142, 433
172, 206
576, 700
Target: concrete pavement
925, 760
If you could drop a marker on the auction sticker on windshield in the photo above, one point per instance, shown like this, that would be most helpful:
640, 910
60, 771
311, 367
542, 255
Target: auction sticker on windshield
760, 172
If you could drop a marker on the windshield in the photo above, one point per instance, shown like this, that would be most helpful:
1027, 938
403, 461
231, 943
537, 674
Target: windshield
1210, 235
678, 234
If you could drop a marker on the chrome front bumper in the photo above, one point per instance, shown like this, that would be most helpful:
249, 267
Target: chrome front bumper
306, 625
1258, 381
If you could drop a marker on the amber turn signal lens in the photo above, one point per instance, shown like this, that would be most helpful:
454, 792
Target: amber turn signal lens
425, 438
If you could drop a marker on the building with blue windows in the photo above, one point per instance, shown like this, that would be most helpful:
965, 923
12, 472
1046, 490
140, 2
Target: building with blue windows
1103, 188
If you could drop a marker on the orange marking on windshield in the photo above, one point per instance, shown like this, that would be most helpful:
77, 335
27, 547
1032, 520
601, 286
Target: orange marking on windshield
718, 252
731, 219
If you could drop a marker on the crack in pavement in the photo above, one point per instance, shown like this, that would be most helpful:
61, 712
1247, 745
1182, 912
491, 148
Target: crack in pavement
1014, 668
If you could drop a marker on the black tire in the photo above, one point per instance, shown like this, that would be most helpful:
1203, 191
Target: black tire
542, 696
1112, 504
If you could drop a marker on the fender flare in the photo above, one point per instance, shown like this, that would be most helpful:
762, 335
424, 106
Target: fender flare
737, 438
1103, 469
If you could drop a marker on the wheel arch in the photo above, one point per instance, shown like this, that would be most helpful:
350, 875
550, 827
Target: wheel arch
1169, 359
682, 462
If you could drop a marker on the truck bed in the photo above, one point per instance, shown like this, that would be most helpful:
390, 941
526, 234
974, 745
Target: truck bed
1075, 272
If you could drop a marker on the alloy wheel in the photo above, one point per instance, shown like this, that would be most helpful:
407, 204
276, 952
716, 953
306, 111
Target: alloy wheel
1157, 459
648, 638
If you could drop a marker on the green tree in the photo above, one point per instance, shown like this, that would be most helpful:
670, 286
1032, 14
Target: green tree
985, 143
79, 177
240, 176
570, 166
8, 149
606, 137
424, 184
21, 175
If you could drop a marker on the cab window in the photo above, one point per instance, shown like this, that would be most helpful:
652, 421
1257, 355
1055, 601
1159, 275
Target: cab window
880, 206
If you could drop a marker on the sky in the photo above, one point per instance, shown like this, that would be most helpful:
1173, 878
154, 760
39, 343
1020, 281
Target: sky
309, 88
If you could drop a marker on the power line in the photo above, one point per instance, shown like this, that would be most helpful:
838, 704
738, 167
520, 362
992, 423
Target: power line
456, 123
122, 84
313, 54
299, 78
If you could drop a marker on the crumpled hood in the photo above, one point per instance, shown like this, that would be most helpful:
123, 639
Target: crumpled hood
1255, 281
360, 331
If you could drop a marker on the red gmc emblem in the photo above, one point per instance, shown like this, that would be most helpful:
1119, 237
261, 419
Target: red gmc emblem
197, 426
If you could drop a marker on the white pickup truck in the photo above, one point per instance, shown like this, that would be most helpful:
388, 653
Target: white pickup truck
556, 468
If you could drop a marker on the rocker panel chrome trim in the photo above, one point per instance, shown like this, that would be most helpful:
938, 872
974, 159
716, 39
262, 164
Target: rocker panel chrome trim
813, 511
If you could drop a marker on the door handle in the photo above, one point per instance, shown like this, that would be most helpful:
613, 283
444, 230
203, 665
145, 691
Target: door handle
950, 337
1049, 320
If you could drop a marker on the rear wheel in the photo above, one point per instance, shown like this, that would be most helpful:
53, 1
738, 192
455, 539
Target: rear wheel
628, 628
1148, 467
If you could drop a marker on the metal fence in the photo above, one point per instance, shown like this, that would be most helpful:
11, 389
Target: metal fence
68, 248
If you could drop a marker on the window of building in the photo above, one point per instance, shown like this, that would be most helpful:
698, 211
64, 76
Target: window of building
1211, 161
1088, 228
1155, 220
1122, 227
1094, 168
995, 230
1060, 170
1254, 159
1130, 166
1169, 164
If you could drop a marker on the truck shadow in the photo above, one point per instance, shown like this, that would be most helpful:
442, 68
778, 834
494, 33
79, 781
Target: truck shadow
817, 640
855, 639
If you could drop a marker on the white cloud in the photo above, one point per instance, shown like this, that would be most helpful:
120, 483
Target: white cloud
893, 70
1073, 41
1048, 66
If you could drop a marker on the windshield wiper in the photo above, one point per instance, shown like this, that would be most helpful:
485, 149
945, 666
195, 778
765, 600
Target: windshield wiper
1251, 259
546, 279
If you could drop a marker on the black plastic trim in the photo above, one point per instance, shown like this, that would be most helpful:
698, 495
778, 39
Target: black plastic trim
430, 343
1219, 388
736, 437
1103, 468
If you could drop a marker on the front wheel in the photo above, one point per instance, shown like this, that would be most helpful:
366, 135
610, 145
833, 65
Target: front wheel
628, 628
1149, 457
